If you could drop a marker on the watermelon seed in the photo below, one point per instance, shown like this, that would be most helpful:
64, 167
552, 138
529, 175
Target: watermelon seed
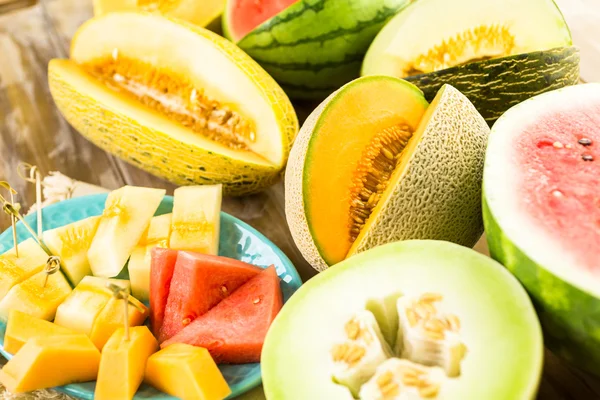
256, 301
557, 145
557, 193
223, 289
587, 157
569, 146
585, 142
186, 321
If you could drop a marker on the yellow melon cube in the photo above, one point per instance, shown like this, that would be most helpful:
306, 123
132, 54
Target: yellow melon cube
46, 362
33, 298
112, 318
13, 270
187, 372
123, 363
23, 327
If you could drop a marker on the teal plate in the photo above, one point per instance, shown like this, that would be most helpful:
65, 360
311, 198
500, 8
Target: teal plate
237, 240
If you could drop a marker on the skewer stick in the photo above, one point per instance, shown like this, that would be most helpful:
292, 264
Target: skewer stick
13, 220
31, 173
121, 293
52, 267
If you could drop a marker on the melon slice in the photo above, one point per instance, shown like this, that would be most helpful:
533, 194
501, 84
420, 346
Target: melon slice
71, 243
242, 16
127, 214
253, 307
542, 214
201, 13
186, 372
404, 171
35, 299
161, 274
13, 270
141, 256
199, 283
47, 362
154, 100
196, 219
453, 293
81, 308
22, 327
123, 363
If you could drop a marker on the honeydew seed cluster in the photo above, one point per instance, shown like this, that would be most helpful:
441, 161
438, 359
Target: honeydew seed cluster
428, 343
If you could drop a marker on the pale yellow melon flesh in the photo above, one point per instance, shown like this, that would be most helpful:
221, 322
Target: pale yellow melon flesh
13, 270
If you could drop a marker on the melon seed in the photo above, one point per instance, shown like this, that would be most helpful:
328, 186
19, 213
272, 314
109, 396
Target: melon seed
352, 329
377, 163
485, 42
349, 353
587, 157
185, 227
175, 97
585, 142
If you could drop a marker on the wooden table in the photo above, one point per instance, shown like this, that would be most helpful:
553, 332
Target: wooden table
32, 130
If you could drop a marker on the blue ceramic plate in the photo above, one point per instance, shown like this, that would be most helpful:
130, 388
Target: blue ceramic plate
237, 240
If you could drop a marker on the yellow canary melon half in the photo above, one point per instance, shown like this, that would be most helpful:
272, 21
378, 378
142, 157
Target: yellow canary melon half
201, 13
175, 100
375, 164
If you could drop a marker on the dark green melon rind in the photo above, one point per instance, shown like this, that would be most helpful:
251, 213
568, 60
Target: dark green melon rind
311, 50
569, 316
496, 85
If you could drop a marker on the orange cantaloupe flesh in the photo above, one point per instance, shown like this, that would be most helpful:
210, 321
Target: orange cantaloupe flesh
123, 363
112, 318
346, 126
22, 327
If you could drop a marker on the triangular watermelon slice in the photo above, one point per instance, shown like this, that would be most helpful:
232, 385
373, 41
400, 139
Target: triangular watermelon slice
199, 283
235, 329
161, 272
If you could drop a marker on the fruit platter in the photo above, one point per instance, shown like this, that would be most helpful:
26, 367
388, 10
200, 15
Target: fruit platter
299, 199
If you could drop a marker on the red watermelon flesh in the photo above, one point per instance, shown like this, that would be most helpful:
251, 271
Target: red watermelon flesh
200, 282
161, 272
234, 331
559, 156
245, 15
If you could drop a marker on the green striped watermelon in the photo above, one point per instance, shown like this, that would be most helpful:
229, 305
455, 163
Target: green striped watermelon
313, 46
541, 207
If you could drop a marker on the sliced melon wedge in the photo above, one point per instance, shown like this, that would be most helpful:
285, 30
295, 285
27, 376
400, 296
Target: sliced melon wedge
22, 327
71, 243
13, 270
196, 219
175, 100
126, 217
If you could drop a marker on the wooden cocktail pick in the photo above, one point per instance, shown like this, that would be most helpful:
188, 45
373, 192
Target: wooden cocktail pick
31, 173
121, 293
13, 219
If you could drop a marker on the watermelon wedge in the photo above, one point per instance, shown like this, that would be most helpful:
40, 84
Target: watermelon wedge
245, 15
235, 329
200, 282
161, 273
541, 208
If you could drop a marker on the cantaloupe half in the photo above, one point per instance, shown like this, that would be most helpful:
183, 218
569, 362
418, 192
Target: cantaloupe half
175, 100
374, 164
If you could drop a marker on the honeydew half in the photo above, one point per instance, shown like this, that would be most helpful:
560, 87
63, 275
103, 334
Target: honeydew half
455, 296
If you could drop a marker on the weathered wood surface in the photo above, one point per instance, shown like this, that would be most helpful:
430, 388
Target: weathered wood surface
32, 130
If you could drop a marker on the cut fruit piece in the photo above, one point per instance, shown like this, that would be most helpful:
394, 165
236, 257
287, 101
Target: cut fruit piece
296, 357
13, 270
311, 48
35, 299
123, 363
112, 318
186, 372
201, 13
22, 327
71, 243
47, 362
403, 172
400, 379
385, 311
196, 219
127, 214
541, 213
359, 354
199, 283
81, 308
153, 100
141, 257
497, 55
161, 274
253, 306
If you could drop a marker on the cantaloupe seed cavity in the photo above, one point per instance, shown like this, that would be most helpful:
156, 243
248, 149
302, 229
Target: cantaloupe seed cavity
157, 5
175, 97
377, 163
73, 241
428, 351
481, 43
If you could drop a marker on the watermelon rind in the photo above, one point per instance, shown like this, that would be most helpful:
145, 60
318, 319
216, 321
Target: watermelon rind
567, 298
315, 46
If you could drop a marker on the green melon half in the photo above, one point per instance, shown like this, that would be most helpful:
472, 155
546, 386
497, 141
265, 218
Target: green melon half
497, 53
498, 322
541, 213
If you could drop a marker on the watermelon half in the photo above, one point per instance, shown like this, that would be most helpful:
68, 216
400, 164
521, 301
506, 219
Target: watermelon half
542, 212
